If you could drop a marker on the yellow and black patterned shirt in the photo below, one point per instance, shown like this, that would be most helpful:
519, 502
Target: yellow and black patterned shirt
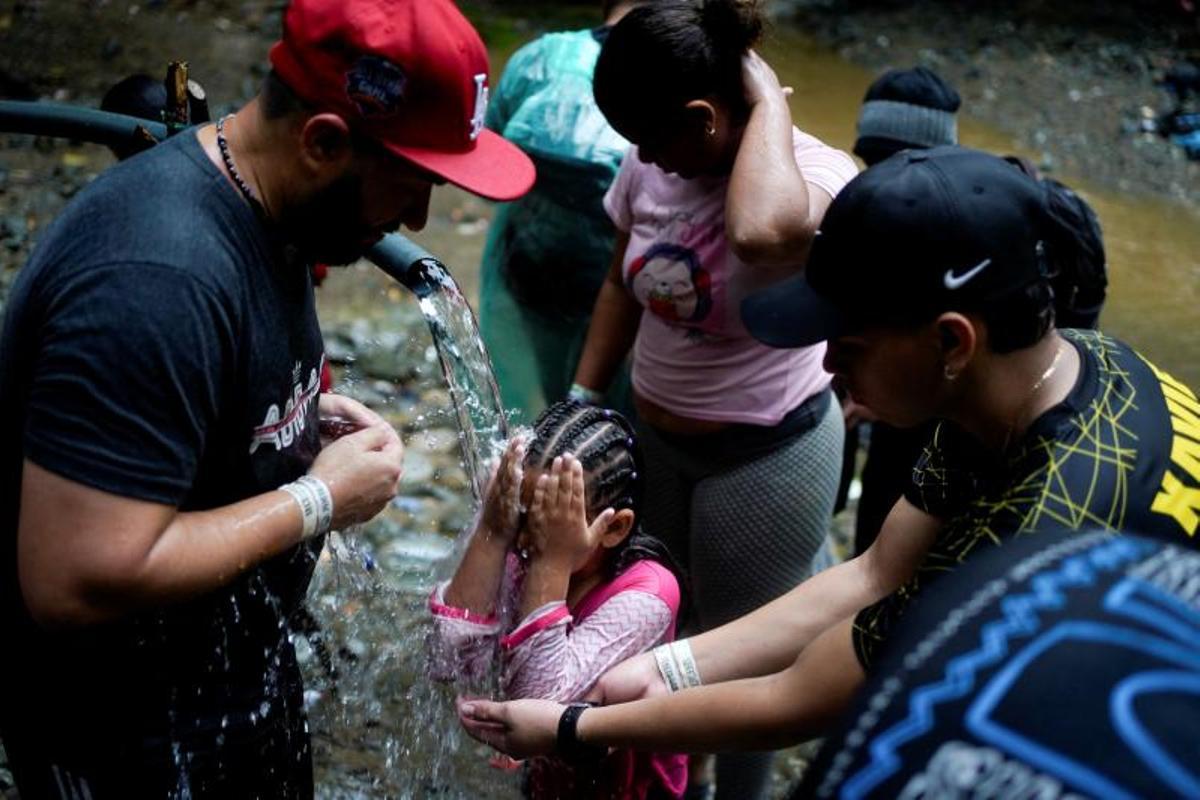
1121, 452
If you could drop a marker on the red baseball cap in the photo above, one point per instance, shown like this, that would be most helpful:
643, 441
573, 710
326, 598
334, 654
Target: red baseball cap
412, 74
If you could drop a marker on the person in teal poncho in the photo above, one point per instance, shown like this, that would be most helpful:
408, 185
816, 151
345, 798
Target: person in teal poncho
547, 255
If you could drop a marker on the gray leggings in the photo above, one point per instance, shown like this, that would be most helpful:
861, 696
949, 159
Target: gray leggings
746, 528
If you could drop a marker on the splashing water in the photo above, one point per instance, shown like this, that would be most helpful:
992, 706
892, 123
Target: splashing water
380, 726
482, 426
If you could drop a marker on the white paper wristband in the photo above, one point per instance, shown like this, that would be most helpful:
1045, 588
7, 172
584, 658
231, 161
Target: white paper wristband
666, 667
689, 673
313, 497
324, 502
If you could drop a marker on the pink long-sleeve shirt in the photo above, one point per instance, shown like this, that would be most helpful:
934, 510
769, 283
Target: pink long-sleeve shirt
557, 653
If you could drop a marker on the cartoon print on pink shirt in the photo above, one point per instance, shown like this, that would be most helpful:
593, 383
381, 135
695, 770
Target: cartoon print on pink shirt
669, 281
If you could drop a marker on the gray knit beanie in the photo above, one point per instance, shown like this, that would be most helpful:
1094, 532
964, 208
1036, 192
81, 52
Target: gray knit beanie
904, 109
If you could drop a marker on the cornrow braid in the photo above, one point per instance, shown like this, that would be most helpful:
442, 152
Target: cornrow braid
604, 443
606, 446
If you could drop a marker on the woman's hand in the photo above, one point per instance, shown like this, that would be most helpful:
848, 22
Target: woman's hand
558, 528
520, 728
502, 502
759, 80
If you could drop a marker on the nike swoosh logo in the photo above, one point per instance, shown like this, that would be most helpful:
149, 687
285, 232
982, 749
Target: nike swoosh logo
953, 281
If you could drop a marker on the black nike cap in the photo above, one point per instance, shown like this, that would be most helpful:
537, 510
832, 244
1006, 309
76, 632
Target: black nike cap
923, 232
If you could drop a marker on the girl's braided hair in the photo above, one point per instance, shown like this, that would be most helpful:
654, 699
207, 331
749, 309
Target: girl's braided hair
606, 445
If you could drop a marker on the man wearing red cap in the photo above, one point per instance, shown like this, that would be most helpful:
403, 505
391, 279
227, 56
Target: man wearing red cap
165, 489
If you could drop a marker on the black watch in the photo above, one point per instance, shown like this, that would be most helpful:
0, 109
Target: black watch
569, 748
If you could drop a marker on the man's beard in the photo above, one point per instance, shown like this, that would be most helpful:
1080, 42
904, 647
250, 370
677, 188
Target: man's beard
329, 227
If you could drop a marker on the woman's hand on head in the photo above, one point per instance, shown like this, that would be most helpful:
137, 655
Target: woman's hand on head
502, 501
759, 80
558, 526
520, 728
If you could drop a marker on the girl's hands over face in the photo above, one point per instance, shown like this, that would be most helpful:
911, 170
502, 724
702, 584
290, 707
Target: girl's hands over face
558, 526
502, 502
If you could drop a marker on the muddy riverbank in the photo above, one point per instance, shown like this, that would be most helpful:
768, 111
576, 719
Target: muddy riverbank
1071, 82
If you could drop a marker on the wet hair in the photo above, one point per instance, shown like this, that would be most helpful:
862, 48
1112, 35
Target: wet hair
606, 445
663, 55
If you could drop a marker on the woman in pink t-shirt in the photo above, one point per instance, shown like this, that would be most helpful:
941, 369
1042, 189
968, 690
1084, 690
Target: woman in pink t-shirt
720, 196
590, 591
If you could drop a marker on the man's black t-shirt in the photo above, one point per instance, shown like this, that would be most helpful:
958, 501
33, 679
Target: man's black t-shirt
159, 345
1063, 665
1121, 452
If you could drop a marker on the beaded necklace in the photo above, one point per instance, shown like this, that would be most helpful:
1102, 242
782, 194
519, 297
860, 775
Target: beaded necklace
238, 180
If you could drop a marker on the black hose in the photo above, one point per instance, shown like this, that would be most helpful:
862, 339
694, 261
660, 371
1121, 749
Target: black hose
406, 262
402, 259
75, 122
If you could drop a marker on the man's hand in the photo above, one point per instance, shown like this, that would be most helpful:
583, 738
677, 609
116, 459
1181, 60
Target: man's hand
520, 728
362, 471
634, 678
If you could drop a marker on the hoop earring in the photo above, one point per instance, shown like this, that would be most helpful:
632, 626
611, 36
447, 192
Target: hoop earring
948, 373
711, 130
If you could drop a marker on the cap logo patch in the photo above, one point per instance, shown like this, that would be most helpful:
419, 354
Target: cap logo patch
481, 102
376, 86
953, 281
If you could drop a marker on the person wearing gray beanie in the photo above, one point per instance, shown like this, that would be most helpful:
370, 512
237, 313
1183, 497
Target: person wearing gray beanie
903, 109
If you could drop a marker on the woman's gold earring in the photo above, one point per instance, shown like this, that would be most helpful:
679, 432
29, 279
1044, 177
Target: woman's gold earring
949, 373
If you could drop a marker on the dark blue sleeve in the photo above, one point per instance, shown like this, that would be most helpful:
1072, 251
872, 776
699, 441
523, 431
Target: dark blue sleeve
128, 378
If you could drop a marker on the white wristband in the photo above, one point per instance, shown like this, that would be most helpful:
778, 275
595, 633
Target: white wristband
666, 667
689, 673
316, 505
324, 502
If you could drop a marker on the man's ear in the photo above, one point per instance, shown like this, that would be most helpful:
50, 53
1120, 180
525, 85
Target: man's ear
619, 527
326, 145
958, 341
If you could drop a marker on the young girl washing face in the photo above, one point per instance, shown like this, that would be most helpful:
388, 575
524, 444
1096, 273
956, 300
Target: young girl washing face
560, 577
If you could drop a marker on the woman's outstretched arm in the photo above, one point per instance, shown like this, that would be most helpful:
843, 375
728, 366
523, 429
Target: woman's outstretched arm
791, 706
